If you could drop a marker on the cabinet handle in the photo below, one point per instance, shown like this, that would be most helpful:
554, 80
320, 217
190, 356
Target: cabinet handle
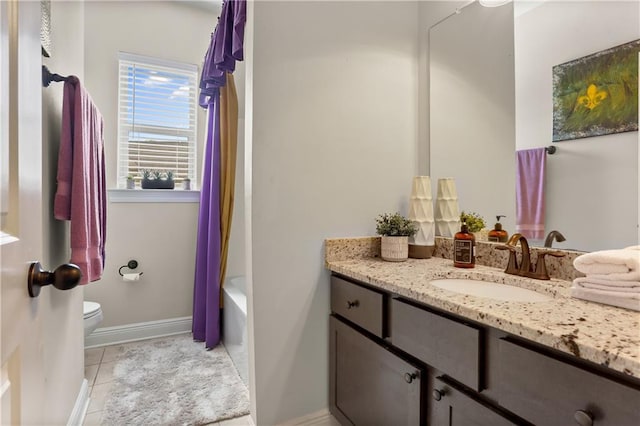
583, 418
410, 377
353, 304
438, 394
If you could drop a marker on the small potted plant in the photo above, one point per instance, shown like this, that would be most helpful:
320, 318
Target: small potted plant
157, 179
186, 184
476, 225
131, 184
395, 230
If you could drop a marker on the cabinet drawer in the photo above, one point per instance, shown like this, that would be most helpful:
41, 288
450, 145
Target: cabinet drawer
358, 304
547, 391
449, 346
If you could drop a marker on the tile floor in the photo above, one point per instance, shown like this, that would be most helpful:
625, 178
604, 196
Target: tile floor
98, 370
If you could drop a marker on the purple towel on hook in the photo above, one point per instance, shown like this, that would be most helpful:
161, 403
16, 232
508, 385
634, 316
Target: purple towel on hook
530, 169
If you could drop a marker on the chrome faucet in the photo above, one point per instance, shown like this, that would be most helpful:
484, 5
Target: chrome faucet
548, 242
525, 269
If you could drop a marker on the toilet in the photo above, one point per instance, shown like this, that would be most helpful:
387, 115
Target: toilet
92, 317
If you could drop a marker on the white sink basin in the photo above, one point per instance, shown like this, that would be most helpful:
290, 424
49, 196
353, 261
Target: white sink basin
490, 290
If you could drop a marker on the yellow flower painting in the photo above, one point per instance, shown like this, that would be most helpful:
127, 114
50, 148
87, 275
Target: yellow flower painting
597, 94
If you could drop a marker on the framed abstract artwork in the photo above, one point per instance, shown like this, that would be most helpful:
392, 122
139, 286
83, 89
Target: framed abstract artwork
597, 94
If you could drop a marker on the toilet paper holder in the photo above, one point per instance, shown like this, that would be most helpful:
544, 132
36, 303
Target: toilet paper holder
132, 264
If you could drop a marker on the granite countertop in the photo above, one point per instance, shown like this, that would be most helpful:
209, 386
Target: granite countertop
603, 334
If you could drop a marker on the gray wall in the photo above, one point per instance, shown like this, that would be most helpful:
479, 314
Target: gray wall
591, 183
333, 139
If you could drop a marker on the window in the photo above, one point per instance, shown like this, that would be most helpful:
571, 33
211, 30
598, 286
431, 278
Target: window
156, 118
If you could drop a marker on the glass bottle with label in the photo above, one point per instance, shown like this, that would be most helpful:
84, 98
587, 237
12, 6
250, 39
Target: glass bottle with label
464, 248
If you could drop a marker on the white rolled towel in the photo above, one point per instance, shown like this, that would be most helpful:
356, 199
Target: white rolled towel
631, 276
608, 285
613, 298
622, 264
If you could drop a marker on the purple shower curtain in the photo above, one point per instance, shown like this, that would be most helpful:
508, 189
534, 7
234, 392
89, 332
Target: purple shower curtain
206, 292
225, 49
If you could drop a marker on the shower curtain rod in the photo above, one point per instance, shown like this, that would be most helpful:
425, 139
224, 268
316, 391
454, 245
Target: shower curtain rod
48, 77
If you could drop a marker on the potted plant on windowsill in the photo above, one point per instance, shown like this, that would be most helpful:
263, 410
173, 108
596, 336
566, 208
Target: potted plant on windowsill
395, 230
157, 180
186, 184
131, 183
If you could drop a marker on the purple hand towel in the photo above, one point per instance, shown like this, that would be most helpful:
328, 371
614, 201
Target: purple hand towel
81, 192
530, 169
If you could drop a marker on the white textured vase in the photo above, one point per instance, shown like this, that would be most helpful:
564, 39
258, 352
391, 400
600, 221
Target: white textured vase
394, 249
447, 212
421, 211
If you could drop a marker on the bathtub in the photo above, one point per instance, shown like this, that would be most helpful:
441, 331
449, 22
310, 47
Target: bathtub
234, 324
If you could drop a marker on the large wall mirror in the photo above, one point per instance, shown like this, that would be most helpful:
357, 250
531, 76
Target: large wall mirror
491, 94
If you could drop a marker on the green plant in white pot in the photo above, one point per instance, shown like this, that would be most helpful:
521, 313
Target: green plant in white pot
395, 230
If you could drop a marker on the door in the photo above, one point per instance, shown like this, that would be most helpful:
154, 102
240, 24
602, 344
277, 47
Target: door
369, 384
21, 223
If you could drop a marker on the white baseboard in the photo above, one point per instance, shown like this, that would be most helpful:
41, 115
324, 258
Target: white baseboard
80, 408
322, 417
138, 331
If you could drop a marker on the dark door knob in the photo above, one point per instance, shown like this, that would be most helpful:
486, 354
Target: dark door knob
352, 304
65, 277
583, 418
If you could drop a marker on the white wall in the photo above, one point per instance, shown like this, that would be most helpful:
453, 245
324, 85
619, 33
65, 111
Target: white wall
591, 183
161, 236
333, 142
472, 109
61, 311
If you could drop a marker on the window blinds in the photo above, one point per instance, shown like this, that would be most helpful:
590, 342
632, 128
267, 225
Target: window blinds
156, 117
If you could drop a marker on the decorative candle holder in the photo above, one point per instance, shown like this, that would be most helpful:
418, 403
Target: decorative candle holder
421, 245
447, 213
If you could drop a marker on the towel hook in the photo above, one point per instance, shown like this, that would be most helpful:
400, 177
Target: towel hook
132, 264
550, 149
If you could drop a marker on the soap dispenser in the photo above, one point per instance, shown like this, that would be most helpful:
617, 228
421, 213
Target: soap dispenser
497, 234
464, 248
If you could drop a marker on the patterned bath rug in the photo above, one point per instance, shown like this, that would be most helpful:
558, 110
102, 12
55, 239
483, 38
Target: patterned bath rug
174, 381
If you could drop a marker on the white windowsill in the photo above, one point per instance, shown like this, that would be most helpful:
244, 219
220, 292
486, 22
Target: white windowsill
6, 238
153, 196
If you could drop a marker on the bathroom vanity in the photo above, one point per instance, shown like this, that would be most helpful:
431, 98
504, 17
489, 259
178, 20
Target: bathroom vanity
403, 351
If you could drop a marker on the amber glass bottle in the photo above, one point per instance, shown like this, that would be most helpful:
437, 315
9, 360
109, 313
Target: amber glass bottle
497, 234
464, 248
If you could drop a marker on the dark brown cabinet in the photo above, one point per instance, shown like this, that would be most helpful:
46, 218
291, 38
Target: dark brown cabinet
452, 407
369, 384
547, 391
447, 345
397, 362
359, 305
